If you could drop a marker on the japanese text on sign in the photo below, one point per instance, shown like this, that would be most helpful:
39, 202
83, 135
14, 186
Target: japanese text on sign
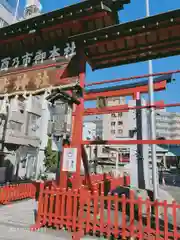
38, 58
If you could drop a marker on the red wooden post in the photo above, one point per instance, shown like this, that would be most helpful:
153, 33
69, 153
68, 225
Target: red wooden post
156, 207
109, 215
95, 211
101, 217
51, 206
69, 203
166, 235
45, 201
78, 128
57, 207
116, 215
63, 207
148, 216
63, 174
132, 207
75, 210
123, 201
140, 220
88, 213
174, 209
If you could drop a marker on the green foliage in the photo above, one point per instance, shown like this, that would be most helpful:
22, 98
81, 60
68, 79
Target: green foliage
51, 157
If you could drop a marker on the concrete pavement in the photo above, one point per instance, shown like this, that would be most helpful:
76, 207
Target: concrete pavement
174, 191
15, 220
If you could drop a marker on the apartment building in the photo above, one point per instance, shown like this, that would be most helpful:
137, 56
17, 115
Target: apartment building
117, 125
168, 125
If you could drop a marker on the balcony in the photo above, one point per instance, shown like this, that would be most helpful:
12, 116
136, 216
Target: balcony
14, 137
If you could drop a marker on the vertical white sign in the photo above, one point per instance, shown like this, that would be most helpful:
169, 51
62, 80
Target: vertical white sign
69, 159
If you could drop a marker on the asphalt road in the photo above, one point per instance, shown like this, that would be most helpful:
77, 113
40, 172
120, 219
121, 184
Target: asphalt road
172, 178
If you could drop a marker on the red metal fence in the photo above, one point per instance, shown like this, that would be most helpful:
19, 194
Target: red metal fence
10, 193
83, 213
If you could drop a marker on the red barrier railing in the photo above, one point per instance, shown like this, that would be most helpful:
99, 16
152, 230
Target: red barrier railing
121, 217
101, 187
10, 193
100, 178
120, 181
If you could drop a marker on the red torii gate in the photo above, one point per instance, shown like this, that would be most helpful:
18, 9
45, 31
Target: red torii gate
90, 95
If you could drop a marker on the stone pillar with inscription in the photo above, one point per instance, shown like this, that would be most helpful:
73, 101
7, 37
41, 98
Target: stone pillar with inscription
139, 161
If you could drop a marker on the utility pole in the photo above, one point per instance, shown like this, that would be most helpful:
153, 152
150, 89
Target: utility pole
152, 120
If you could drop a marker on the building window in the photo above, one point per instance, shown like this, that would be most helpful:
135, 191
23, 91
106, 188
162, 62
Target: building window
32, 126
113, 115
113, 131
113, 123
120, 123
16, 126
104, 150
120, 114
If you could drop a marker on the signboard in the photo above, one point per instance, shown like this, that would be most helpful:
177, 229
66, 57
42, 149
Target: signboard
33, 80
69, 159
38, 57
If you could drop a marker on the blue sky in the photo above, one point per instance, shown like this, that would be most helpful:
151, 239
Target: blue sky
133, 11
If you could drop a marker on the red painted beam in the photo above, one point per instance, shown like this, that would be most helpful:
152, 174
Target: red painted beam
132, 78
131, 142
106, 110
125, 92
122, 108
